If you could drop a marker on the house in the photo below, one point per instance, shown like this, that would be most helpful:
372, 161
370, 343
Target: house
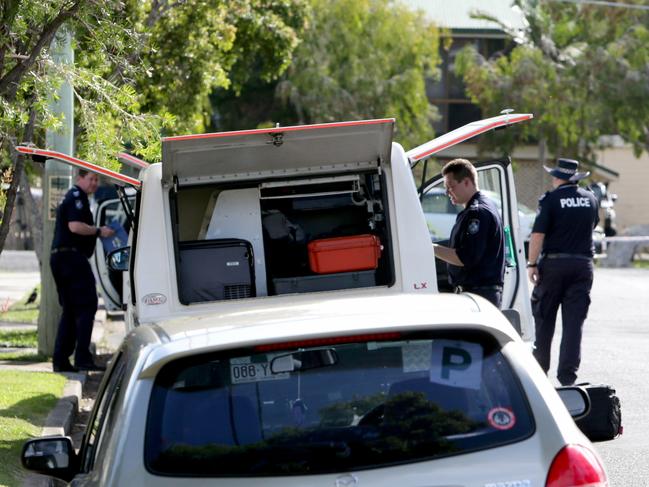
617, 166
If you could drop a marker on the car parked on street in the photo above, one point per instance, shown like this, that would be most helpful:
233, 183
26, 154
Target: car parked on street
440, 214
366, 388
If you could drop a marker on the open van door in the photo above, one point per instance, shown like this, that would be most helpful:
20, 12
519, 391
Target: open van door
109, 212
496, 179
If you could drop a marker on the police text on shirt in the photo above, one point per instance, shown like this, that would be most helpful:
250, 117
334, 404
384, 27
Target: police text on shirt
574, 202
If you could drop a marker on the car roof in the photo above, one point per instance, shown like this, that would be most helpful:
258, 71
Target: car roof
299, 317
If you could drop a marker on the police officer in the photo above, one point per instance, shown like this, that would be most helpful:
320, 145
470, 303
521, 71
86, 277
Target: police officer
476, 256
561, 266
73, 244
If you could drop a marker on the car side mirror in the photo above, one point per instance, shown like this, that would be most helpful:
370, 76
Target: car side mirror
54, 456
118, 259
576, 400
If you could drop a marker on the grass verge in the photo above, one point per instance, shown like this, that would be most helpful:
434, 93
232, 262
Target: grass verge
23, 312
25, 400
18, 338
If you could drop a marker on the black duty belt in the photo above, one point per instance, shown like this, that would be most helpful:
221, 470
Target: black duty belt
64, 249
566, 256
468, 289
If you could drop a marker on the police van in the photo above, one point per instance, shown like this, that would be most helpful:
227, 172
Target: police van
229, 220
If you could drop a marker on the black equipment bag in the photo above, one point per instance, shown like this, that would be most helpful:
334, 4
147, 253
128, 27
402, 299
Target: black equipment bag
604, 421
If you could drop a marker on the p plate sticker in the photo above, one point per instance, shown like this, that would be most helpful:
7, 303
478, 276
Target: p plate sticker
501, 418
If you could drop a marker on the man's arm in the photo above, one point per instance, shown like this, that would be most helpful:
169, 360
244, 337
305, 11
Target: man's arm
447, 254
81, 228
533, 253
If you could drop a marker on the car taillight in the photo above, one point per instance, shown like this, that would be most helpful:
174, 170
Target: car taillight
576, 466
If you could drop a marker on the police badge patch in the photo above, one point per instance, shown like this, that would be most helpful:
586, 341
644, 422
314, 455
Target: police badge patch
474, 226
78, 204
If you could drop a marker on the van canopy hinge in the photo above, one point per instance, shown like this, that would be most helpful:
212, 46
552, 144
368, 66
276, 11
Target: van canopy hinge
278, 139
175, 184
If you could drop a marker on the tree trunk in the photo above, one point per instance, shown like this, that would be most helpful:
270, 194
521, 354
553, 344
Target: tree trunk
34, 218
18, 168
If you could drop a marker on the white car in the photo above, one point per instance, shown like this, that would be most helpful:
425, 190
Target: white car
362, 389
440, 214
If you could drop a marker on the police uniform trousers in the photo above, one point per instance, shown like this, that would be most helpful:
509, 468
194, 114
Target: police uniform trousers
77, 292
566, 282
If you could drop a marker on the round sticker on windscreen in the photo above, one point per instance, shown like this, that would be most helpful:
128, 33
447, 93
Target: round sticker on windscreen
501, 418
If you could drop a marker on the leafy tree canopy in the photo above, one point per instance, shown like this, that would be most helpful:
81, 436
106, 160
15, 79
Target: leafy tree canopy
142, 67
581, 69
358, 59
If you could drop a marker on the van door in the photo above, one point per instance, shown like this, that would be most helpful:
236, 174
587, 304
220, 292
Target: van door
111, 213
496, 180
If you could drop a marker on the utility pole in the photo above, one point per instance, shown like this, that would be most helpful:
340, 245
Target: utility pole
57, 179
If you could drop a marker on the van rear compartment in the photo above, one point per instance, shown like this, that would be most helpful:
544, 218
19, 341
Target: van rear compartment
328, 282
344, 254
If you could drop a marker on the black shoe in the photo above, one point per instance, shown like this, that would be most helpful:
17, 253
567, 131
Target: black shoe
64, 368
91, 367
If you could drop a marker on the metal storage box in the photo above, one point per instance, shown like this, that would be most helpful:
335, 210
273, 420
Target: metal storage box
329, 282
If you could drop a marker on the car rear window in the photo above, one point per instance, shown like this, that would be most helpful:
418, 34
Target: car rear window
318, 407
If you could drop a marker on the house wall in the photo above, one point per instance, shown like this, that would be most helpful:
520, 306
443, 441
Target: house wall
632, 206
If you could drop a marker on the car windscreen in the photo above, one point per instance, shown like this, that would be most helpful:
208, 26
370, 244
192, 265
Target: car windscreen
331, 406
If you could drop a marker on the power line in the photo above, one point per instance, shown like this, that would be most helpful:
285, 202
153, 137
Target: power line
605, 4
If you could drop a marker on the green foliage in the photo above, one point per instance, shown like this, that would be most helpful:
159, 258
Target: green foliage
25, 400
581, 69
359, 59
140, 68
364, 59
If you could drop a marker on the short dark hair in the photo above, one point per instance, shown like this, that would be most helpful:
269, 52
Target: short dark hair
82, 173
460, 169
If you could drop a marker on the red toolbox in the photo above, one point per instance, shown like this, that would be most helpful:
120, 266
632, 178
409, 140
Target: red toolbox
344, 254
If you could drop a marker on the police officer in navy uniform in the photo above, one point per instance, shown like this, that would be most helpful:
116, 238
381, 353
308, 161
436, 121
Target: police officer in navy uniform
476, 255
73, 244
561, 266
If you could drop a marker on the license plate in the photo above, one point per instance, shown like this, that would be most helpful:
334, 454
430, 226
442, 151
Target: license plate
249, 372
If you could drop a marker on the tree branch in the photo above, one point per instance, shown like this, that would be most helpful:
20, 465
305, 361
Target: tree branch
9, 83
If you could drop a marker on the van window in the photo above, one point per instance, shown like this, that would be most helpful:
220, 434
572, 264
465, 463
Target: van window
322, 408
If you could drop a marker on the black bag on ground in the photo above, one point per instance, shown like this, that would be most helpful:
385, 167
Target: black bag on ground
604, 421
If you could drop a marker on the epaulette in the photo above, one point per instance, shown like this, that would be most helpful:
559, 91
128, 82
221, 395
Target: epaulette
544, 195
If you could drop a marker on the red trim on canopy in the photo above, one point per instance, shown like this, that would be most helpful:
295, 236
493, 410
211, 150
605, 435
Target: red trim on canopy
80, 163
275, 130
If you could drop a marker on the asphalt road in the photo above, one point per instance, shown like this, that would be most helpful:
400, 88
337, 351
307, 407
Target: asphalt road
615, 351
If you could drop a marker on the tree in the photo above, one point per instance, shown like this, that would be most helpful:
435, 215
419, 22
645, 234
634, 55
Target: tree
142, 67
581, 69
358, 59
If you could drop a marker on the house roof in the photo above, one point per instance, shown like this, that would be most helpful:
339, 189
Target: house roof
457, 15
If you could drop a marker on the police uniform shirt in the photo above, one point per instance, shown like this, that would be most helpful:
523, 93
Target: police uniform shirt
567, 216
478, 240
75, 207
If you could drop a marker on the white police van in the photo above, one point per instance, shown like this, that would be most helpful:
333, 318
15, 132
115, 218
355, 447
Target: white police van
229, 218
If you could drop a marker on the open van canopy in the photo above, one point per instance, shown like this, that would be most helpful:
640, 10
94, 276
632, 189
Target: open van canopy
113, 176
464, 133
276, 152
